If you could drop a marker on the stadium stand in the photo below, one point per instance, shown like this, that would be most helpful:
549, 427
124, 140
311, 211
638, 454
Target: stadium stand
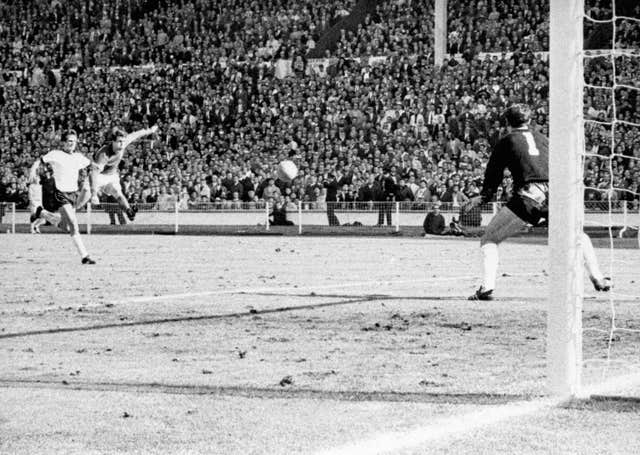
234, 93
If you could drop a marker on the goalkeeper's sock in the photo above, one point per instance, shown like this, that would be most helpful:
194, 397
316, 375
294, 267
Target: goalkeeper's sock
590, 259
79, 245
490, 265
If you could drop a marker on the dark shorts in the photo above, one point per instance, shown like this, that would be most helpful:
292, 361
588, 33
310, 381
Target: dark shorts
58, 199
531, 203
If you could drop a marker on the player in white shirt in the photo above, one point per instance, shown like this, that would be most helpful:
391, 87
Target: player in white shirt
105, 178
66, 165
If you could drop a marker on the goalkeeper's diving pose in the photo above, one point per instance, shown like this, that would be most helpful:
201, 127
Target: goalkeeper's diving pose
525, 152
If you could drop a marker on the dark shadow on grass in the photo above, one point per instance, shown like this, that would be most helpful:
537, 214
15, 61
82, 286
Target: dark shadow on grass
391, 297
180, 319
606, 403
276, 392
348, 300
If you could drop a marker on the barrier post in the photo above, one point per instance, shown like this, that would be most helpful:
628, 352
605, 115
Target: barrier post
176, 212
397, 216
89, 218
13, 217
266, 214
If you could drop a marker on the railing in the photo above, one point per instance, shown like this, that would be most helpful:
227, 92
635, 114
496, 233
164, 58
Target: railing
262, 216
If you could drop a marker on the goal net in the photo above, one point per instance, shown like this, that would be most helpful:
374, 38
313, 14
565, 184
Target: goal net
594, 338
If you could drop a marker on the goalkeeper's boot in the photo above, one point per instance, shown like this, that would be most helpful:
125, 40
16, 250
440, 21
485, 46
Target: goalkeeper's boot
602, 285
88, 261
482, 294
131, 212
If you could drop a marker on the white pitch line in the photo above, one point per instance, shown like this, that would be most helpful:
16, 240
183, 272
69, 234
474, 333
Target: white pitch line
459, 425
249, 290
441, 428
187, 295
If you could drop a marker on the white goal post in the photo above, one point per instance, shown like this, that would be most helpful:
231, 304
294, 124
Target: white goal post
566, 209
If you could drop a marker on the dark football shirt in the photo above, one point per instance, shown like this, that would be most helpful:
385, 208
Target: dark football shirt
525, 152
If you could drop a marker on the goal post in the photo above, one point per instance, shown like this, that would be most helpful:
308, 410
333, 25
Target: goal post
566, 212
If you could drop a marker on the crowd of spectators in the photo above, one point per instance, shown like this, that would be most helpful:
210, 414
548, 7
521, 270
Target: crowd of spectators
392, 128
498, 26
396, 27
136, 32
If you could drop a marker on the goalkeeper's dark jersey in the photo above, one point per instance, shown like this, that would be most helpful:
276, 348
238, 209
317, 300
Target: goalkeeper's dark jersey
525, 152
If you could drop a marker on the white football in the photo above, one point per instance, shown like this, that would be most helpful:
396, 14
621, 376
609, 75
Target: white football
287, 171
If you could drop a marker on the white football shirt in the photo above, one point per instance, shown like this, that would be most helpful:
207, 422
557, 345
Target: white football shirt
65, 168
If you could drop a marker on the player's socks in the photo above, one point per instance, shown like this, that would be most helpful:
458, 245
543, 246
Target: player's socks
490, 261
77, 240
591, 263
36, 221
53, 218
35, 225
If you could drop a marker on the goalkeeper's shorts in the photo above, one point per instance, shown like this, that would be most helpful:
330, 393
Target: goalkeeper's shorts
531, 202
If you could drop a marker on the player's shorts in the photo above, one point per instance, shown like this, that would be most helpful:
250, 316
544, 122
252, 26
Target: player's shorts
528, 206
531, 202
109, 184
61, 198
503, 225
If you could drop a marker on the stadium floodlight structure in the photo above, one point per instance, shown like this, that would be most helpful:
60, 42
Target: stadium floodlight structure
566, 212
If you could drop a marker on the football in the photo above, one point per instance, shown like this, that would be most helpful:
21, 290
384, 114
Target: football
287, 171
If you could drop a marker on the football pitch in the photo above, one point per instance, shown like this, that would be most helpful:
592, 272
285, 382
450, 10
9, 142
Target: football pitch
299, 345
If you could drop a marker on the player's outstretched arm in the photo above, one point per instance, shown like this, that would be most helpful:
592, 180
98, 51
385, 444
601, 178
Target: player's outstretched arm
131, 138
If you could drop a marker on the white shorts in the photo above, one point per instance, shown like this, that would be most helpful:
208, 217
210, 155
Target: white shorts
109, 184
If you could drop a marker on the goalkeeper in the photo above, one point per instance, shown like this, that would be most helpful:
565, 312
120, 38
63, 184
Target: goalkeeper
525, 152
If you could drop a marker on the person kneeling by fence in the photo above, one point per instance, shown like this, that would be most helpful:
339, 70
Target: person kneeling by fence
278, 216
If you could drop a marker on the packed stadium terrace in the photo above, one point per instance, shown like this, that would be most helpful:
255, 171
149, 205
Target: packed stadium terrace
212, 78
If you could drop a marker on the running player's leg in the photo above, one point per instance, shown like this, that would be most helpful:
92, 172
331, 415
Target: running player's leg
113, 188
124, 204
69, 216
503, 225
